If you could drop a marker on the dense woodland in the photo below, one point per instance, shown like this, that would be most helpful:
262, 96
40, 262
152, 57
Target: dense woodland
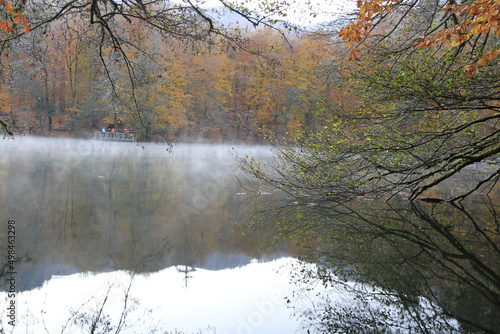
54, 80
399, 96
417, 105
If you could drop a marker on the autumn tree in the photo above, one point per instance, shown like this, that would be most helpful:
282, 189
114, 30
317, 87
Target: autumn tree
5, 106
188, 21
258, 85
277, 93
83, 80
427, 107
39, 78
171, 101
210, 75
307, 84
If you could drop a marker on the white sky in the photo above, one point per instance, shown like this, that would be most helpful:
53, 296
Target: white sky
300, 10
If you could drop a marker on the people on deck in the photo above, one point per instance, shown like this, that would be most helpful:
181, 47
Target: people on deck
112, 133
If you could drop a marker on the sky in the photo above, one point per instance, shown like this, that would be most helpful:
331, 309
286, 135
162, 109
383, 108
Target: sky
300, 11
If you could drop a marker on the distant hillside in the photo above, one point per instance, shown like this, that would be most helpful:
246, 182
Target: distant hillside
228, 18
231, 19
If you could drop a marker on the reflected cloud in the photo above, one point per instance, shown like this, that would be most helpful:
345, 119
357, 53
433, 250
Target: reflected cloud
248, 299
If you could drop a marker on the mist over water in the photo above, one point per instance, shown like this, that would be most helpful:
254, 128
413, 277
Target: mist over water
93, 211
90, 192
163, 239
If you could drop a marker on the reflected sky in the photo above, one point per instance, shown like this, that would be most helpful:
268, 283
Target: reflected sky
254, 298
248, 299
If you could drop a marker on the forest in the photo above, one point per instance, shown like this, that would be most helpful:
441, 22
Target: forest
395, 96
54, 83
383, 123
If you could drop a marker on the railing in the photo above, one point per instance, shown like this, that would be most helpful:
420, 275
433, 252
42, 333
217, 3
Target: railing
114, 136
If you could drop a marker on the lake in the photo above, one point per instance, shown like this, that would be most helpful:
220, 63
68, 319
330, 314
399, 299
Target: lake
120, 237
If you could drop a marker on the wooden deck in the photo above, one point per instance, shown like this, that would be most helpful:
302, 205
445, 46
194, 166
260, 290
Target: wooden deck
117, 136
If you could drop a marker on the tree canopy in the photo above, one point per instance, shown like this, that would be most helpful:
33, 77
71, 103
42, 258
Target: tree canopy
425, 108
120, 31
465, 26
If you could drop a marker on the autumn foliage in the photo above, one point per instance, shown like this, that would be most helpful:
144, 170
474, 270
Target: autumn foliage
184, 92
360, 27
13, 18
471, 21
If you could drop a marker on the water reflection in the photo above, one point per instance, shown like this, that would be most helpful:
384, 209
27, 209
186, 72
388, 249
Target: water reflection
248, 299
89, 211
434, 267
119, 238
86, 207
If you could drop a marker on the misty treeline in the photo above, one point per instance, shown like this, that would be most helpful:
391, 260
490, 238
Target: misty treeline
60, 78
416, 105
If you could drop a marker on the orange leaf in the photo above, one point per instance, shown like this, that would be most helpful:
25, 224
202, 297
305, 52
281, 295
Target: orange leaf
8, 7
474, 10
483, 61
470, 69
27, 29
488, 57
353, 55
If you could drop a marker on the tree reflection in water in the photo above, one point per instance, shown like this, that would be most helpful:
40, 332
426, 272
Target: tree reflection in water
398, 266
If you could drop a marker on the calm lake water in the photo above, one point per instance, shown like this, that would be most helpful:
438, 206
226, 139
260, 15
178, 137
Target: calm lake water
135, 239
